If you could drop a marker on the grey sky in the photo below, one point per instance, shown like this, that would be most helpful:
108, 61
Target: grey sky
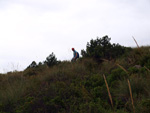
31, 29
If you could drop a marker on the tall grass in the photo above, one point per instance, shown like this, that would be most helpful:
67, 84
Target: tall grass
131, 95
12, 86
129, 87
110, 97
122, 68
77, 87
146, 68
135, 42
139, 48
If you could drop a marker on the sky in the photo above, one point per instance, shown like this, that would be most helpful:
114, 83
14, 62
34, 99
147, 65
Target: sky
30, 30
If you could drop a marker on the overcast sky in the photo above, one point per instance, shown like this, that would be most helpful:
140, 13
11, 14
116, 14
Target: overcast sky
30, 30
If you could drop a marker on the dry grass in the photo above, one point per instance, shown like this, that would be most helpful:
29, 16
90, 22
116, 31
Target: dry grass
122, 68
139, 48
135, 42
129, 87
146, 68
108, 91
131, 95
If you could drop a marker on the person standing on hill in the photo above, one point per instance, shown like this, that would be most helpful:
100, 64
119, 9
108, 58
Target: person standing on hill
75, 55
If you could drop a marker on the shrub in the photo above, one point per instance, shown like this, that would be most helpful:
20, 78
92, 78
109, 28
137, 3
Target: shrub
117, 74
101, 48
145, 61
143, 106
51, 60
32, 65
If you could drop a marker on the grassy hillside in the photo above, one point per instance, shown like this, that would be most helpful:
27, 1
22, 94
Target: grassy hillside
80, 87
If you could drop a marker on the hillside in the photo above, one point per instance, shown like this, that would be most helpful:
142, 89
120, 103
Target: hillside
81, 87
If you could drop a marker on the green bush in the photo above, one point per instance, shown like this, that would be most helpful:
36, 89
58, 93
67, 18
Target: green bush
101, 48
93, 81
143, 106
140, 71
78, 87
145, 61
51, 60
117, 74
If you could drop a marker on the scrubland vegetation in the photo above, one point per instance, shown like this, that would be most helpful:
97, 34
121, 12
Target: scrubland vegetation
109, 78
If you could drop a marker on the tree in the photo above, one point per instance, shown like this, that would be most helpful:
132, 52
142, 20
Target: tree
51, 60
101, 48
32, 65
97, 48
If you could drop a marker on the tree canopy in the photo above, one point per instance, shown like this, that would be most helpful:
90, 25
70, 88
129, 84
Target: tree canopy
102, 48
